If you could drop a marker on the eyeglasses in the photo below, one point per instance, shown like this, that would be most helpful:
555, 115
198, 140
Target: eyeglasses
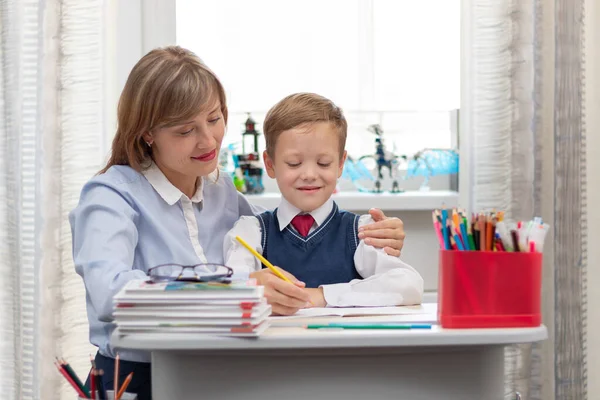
190, 273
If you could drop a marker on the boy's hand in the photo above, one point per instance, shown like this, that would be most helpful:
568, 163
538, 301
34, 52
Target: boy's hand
317, 298
385, 232
285, 298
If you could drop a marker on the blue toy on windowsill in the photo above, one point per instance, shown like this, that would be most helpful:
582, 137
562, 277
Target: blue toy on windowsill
355, 171
381, 159
432, 162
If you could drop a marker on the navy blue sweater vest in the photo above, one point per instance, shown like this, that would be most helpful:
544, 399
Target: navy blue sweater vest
324, 257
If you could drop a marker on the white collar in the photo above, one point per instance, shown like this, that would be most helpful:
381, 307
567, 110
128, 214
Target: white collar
166, 189
286, 212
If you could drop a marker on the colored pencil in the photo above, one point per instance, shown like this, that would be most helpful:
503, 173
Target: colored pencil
74, 376
532, 246
457, 238
482, 238
100, 384
93, 383
64, 373
488, 234
515, 240
126, 383
465, 235
499, 245
438, 231
487, 231
476, 235
266, 262
116, 383
262, 259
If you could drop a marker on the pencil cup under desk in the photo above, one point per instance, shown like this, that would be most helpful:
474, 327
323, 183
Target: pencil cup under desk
485, 289
110, 395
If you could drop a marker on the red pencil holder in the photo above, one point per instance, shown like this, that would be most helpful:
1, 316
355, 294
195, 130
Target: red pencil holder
484, 289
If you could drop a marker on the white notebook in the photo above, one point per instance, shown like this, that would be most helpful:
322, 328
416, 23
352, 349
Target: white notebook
185, 331
139, 290
132, 314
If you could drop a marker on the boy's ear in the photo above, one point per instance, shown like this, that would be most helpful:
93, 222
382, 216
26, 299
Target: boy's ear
342, 161
269, 165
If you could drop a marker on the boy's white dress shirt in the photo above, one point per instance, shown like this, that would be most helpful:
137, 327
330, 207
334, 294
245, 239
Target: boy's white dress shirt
387, 280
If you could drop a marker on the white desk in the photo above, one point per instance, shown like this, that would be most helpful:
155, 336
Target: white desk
292, 363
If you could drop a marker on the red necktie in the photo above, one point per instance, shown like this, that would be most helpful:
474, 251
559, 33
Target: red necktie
302, 223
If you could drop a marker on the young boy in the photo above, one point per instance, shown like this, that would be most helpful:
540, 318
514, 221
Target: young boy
308, 235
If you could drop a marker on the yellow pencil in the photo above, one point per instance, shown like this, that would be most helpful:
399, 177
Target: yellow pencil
262, 259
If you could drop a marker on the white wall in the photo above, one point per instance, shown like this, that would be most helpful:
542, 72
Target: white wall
133, 27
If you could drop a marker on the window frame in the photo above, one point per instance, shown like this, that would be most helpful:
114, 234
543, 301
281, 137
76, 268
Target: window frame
134, 27
138, 26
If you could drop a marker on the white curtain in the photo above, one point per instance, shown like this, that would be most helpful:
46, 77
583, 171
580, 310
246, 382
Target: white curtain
51, 105
20, 133
503, 134
531, 162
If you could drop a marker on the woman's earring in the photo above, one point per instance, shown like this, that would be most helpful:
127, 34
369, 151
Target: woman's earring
149, 144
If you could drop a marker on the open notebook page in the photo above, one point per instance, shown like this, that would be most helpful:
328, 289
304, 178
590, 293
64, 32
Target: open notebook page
428, 308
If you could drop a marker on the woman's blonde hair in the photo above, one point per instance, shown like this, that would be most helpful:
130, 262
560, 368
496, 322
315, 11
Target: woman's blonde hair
168, 85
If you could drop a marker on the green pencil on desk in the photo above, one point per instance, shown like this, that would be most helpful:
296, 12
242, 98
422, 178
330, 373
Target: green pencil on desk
368, 326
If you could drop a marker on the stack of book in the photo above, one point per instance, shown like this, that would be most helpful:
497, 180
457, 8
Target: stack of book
208, 308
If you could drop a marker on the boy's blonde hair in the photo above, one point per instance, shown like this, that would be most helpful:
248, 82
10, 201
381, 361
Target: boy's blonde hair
302, 109
167, 86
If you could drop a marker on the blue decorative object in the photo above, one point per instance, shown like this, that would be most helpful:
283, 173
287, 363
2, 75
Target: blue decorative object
432, 162
384, 159
355, 171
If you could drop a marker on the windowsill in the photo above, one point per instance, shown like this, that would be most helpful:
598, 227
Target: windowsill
407, 201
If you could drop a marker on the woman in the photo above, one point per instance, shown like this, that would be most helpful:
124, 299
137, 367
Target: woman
160, 198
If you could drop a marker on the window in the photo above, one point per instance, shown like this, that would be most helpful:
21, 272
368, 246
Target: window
392, 62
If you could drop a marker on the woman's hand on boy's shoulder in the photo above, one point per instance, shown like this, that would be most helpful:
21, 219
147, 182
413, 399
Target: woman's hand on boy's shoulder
384, 232
285, 298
